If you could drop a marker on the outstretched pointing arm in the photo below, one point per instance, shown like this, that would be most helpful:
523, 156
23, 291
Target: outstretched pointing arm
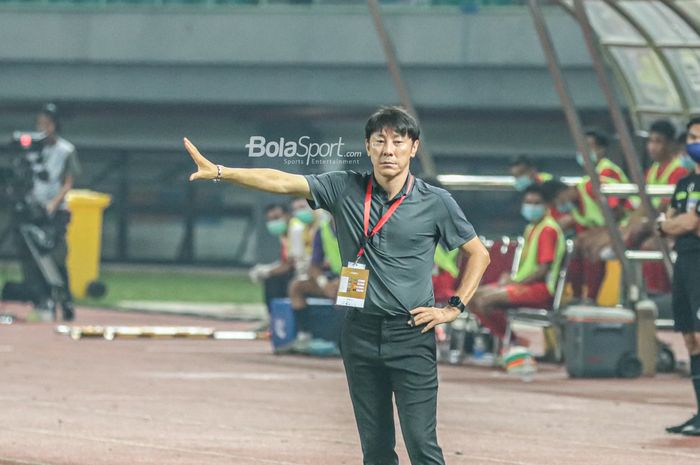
264, 179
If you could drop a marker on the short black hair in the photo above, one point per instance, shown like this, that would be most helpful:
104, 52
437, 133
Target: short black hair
600, 138
693, 121
272, 206
665, 128
523, 160
681, 138
50, 110
395, 118
534, 189
551, 189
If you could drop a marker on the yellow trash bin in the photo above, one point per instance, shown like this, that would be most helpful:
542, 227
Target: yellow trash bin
84, 238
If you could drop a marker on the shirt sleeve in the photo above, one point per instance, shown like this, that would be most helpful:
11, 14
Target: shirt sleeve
317, 255
72, 166
547, 246
613, 202
452, 225
327, 188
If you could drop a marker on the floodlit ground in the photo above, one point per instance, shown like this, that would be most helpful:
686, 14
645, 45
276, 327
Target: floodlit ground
232, 402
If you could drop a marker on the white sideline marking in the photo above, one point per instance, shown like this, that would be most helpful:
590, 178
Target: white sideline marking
253, 376
11, 461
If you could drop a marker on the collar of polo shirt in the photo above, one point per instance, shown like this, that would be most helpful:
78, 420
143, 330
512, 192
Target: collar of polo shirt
380, 190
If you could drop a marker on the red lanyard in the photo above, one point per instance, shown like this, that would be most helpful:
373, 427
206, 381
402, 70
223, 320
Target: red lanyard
384, 218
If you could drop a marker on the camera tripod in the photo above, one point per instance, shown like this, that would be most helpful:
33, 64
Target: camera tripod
39, 245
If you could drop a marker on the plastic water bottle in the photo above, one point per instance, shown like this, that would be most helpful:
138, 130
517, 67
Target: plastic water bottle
479, 347
457, 336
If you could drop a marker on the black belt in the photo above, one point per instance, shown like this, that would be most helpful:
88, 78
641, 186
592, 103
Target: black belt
353, 314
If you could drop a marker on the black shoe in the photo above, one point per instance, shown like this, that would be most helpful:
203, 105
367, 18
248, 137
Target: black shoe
693, 428
679, 428
68, 311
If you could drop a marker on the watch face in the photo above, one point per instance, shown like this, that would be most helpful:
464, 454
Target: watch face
455, 301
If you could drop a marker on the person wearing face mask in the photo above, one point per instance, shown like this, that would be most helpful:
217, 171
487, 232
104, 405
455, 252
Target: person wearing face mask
275, 276
583, 213
551, 190
321, 281
526, 174
687, 162
682, 223
302, 227
534, 282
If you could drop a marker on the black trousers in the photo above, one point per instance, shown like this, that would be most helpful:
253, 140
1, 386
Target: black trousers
686, 292
385, 358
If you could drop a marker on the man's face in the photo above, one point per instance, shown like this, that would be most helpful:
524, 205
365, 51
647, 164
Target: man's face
566, 195
46, 125
532, 198
522, 170
693, 134
390, 152
533, 208
299, 204
275, 214
658, 147
599, 151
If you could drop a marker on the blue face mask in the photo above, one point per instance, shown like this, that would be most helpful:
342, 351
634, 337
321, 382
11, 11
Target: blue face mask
276, 227
305, 216
532, 212
693, 151
522, 183
566, 207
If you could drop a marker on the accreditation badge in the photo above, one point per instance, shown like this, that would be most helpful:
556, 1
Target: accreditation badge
352, 289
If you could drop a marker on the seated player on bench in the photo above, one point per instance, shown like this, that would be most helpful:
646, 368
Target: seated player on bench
322, 278
535, 280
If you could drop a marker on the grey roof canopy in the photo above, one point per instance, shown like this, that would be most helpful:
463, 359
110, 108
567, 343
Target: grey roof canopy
653, 47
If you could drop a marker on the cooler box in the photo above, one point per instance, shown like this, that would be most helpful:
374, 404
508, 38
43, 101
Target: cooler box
325, 320
601, 342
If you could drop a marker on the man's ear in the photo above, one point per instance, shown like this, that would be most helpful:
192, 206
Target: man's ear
414, 149
367, 147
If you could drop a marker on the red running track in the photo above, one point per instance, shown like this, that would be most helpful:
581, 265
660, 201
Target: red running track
191, 402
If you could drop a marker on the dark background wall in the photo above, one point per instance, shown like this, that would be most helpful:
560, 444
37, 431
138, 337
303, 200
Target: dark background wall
130, 82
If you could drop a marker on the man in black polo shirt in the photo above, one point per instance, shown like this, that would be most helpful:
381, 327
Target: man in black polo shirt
388, 223
683, 224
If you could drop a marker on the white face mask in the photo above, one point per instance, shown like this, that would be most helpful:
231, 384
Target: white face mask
580, 161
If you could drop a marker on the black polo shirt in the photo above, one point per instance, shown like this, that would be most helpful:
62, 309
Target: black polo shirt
400, 256
687, 194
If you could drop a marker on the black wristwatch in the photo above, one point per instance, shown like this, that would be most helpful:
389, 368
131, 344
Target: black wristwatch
456, 302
